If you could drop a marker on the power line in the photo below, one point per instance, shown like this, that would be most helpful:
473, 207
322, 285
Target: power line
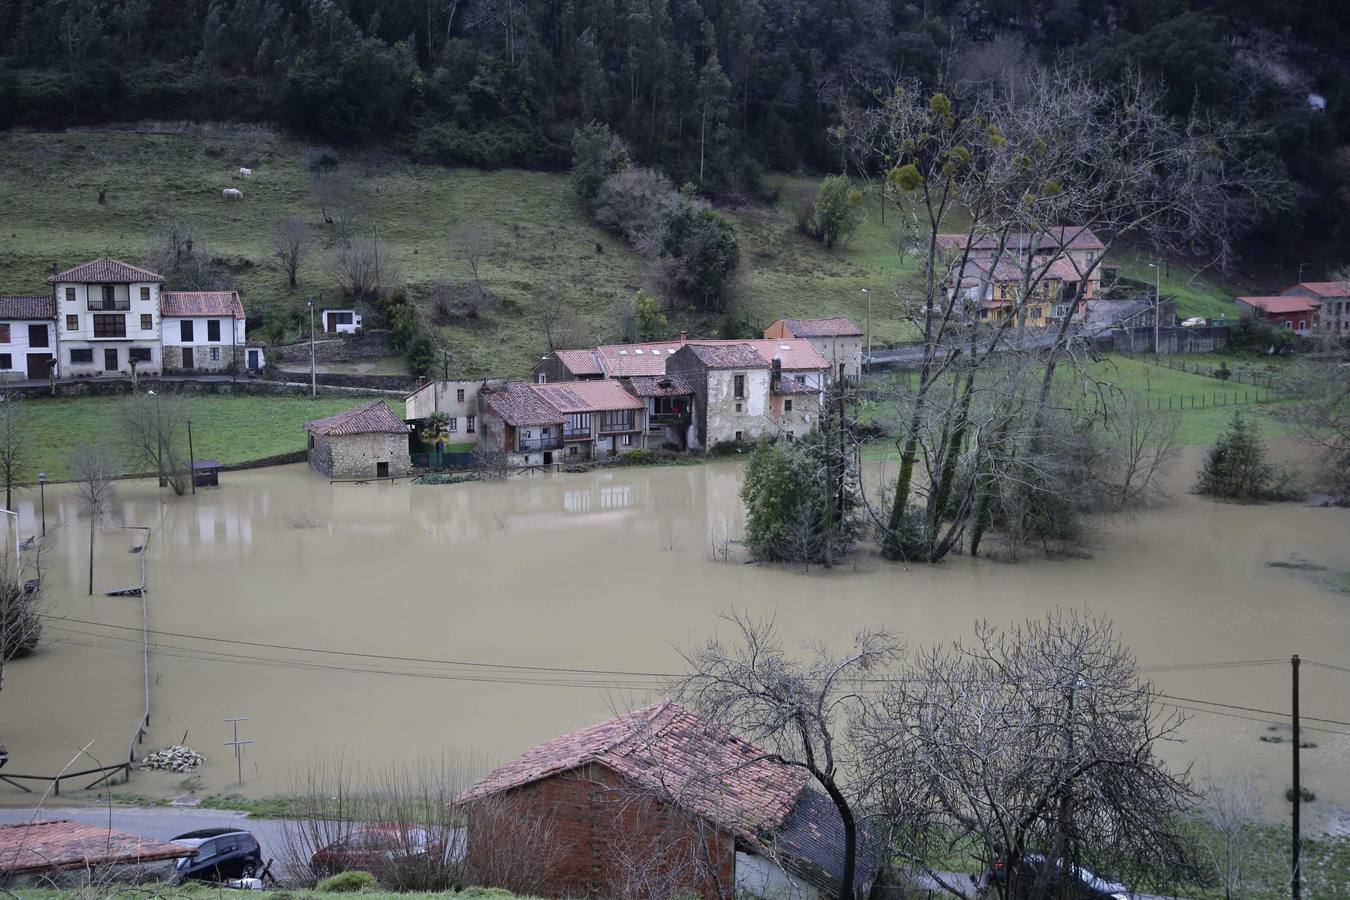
1252, 709
1322, 665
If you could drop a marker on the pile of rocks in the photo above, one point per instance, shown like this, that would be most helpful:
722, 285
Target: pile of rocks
173, 759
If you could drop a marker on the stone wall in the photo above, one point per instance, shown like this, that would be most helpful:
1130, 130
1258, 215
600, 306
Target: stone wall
403, 383
201, 358
356, 455
1204, 339
114, 387
333, 348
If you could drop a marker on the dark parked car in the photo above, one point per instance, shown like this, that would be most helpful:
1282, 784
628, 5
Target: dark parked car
1087, 885
222, 854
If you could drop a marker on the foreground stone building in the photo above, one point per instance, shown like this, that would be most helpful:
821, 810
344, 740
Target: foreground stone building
659, 802
836, 339
366, 442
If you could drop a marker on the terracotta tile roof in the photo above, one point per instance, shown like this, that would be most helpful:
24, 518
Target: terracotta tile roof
728, 356
201, 303
587, 396
579, 362
1282, 304
27, 306
658, 386
795, 355
1332, 289
105, 271
1079, 238
62, 844
624, 360
665, 748
374, 418
519, 404
793, 386
834, 326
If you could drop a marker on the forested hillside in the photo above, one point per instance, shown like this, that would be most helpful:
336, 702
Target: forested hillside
714, 92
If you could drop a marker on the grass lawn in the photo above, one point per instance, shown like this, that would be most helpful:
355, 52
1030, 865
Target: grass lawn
1206, 293
230, 429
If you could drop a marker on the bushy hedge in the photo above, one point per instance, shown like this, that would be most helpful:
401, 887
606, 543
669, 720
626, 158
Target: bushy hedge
352, 882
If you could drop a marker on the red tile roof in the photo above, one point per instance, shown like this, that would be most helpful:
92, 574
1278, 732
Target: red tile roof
1333, 289
105, 271
374, 418
201, 303
587, 396
665, 748
795, 355
1282, 304
579, 362
728, 356
27, 306
1079, 237
658, 386
834, 326
519, 404
62, 844
624, 360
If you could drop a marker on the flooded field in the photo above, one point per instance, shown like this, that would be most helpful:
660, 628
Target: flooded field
474, 605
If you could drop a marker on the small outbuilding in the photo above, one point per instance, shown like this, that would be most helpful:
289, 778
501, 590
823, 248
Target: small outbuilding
206, 472
366, 442
35, 851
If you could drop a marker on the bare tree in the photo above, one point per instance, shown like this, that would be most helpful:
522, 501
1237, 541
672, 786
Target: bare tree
1320, 415
1144, 447
94, 468
15, 466
181, 255
553, 312
473, 242
339, 199
364, 268
293, 242
22, 606
1038, 737
154, 429
796, 709
1018, 178
1231, 809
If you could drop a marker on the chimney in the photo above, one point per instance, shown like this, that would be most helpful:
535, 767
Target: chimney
54, 269
775, 374
684, 336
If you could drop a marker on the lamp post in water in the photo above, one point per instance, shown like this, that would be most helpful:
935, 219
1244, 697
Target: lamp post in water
42, 492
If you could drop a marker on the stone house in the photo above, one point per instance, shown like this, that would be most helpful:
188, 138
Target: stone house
836, 339
203, 331
731, 392
515, 420
600, 418
457, 400
365, 442
670, 404
27, 336
659, 802
108, 317
1333, 316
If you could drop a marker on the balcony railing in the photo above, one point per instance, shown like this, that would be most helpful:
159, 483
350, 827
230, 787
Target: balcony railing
618, 426
99, 304
552, 442
576, 434
669, 418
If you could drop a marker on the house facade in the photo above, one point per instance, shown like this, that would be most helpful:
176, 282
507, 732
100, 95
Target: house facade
203, 331
456, 400
670, 405
514, 420
1333, 314
659, 802
368, 441
1297, 312
600, 418
731, 392
1062, 264
340, 321
27, 336
836, 339
108, 319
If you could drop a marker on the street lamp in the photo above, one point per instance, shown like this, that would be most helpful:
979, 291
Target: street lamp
159, 438
1157, 302
868, 292
42, 492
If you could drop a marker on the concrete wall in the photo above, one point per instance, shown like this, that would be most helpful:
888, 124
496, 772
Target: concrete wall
836, 350
1206, 339
18, 347
722, 418
596, 820
356, 455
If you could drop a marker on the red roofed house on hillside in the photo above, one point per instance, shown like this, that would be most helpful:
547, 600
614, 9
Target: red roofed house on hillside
1333, 316
837, 339
658, 802
1297, 312
204, 332
27, 336
365, 442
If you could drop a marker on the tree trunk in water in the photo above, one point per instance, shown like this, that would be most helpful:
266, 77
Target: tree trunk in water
948, 474
91, 553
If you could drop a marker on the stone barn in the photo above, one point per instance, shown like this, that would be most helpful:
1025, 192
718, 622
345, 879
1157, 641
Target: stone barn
366, 442
658, 803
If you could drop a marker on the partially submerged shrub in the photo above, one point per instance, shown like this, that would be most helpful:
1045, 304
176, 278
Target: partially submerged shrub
1236, 468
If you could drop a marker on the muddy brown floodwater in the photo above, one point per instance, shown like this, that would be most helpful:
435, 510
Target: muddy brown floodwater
608, 571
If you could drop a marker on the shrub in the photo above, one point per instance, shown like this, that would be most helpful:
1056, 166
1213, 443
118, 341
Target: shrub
596, 154
838, 211
1255, 336
789, 510
1236, 468
704, 244
351, 882
634, 202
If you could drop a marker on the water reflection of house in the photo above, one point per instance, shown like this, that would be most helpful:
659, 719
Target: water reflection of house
662, 790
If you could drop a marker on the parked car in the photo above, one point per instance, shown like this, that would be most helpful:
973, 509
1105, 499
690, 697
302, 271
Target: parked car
222, 854
373, 848
1087, 885
1194, 322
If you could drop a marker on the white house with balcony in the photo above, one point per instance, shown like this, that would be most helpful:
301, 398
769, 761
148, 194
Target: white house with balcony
108, 318
27, 336
203, 331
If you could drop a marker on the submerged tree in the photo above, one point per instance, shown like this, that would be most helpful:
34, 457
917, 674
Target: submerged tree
154, 427
14, 450
1019, 178
1236, 467
94, 467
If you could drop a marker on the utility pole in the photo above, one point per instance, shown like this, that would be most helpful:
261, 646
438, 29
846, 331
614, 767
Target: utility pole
313, 378
159, 438
238, 746
868, 357
192, 459
42, 491
1296, 871
1157, 303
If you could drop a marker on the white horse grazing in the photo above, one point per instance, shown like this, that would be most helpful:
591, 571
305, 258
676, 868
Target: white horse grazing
233, 194
245, 173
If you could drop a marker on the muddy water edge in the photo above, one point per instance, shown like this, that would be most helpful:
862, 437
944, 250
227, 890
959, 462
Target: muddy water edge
475, 599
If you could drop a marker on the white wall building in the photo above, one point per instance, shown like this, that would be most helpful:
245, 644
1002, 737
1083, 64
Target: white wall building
27, 336
108, 318
203, 331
